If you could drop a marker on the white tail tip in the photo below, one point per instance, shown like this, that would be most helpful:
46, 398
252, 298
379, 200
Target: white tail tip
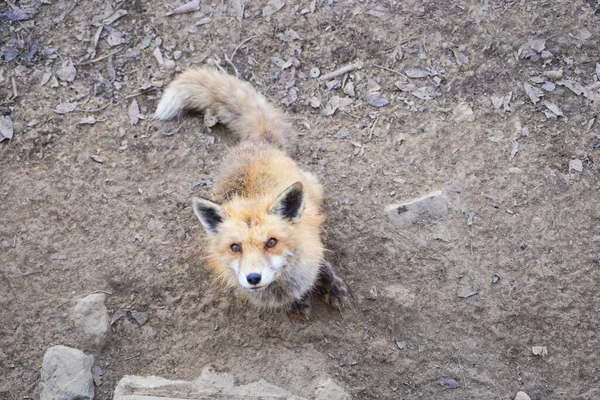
169, 106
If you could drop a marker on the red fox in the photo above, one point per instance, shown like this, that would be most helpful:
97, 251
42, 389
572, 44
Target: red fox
264, 229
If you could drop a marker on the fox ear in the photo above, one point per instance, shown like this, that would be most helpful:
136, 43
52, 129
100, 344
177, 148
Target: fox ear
210, 214
290, 203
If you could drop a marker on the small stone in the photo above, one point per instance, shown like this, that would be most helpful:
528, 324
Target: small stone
495, 278
377, 100
539, 351
91, 316
576, 165
554, 75
315, 72
515, 170
522, 396
66, 374
329, 390
177, 54
372, 295
466, 287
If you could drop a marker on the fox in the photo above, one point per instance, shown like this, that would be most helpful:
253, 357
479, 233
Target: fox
264, 224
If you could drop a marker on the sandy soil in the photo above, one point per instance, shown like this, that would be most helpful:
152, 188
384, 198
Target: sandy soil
71, 226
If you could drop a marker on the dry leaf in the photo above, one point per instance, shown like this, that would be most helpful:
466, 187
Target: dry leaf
65, 108
134, 112
118, 14
536, 45
192, 6
463, 113
533, 92
425, 93
6, 128
554, 108
67, 71
271, 8
575, 87
419, 72
377, 100
88, 121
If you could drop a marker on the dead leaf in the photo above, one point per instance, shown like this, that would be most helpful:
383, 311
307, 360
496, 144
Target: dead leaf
271, 8
533, 92
288, 36
65, 108
134, 112
91, 120
536, 45
6, 128
14, 15
67, 71
158, 55
553, 108
514, 148
466, 287
420, 72
575, 87
192, 6
426, 93
463, 113
118, 14
376, 99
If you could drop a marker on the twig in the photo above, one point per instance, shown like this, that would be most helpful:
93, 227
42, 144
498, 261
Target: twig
241, 44
341, 71
99, 58
174, 132
94, 110
462, 372
143, 91
237, 75
373, 126
14, 87
389, 69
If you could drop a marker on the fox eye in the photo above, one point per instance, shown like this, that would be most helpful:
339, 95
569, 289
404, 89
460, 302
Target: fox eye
271, 243
236, 248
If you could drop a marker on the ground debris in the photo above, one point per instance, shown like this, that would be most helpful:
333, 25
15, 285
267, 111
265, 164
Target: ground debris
420, 72
376, 99
14, 15
554, 111
539, 351
6, 128
271, 8
134, 112
192, 6
531, 49
140, 317
67, 71
533, 92
576, 165
450, 384
65, 108
522, 396
466, 287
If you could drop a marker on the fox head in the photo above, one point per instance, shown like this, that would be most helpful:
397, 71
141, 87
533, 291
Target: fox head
255, 239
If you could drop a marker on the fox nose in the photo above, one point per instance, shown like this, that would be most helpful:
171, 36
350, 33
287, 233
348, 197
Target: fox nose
253, 279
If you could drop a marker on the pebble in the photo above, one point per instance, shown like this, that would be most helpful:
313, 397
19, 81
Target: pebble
522, 396
576, 165
515, 170
66, 374
177, 55
91, 317
554, 75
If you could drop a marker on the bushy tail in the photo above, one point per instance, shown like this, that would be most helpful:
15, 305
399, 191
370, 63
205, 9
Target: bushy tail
236, 103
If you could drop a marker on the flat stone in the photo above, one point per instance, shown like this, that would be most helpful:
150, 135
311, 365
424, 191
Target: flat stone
522, 396
576, 165
329, 390
66, 375
209, 385
431, 206
91, 317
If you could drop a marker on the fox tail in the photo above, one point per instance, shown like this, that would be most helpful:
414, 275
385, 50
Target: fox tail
234, 102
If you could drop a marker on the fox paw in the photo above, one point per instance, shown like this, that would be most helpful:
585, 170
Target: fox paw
300, 309
331, 289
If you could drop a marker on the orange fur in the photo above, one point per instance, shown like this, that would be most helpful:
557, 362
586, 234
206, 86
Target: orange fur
253, 176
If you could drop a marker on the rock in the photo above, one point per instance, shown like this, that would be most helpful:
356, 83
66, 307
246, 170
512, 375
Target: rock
466, 287
576, 165
431, 206
66, 375
522, 396
209, 385
329, 390
91, 317
463, 113
515, 170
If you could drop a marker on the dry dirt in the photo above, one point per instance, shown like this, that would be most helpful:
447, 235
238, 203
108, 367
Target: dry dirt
71, 226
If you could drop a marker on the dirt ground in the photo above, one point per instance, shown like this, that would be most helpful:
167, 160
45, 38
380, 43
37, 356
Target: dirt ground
521, 216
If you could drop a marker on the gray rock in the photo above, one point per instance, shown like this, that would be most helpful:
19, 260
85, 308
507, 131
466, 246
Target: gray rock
329, 390
522, 396
208, 385
576, 165
66, 375
91, 317
431, 206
